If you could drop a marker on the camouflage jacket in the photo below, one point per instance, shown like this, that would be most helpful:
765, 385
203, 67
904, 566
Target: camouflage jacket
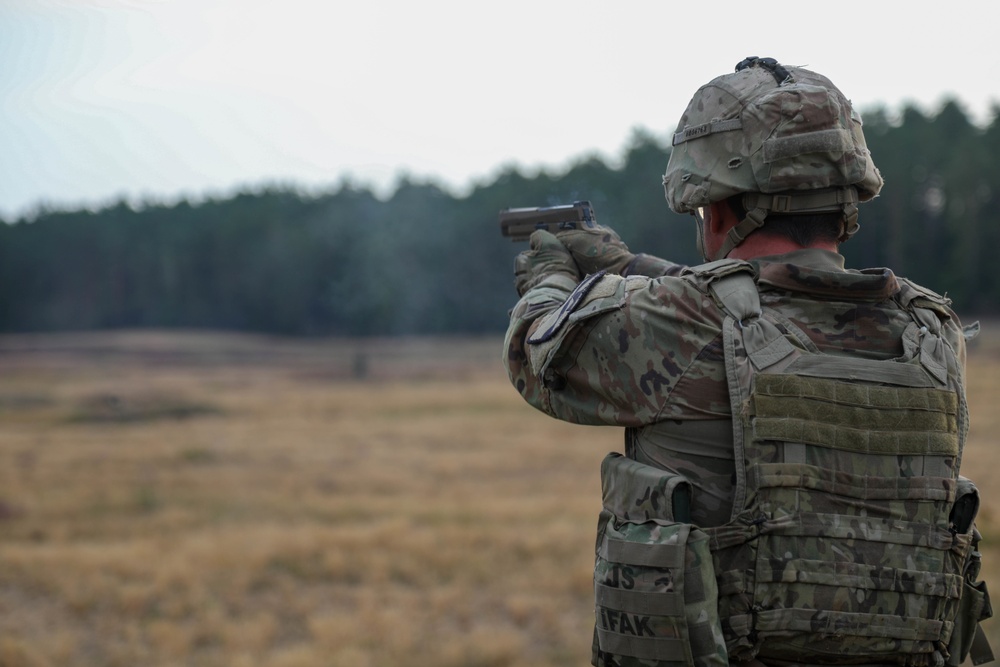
645, 353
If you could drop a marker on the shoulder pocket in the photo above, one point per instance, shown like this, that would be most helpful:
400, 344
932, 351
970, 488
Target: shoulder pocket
597, 294
549, 326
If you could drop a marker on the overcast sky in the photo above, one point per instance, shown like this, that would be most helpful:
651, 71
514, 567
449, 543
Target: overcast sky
159, 99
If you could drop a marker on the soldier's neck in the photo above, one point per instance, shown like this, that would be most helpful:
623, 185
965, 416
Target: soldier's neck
760, 245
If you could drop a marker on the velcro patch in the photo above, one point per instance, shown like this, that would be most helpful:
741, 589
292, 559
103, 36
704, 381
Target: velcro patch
552, 322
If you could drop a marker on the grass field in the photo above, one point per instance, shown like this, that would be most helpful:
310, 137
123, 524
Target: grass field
200, 499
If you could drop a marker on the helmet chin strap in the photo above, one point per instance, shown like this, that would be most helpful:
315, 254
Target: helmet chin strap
736, 235
759, 205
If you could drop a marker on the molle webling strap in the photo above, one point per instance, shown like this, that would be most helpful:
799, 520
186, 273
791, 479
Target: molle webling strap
764, 345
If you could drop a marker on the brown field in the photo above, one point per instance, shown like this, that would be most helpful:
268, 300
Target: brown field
199, 499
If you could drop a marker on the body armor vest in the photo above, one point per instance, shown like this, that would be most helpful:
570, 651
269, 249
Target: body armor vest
851, 539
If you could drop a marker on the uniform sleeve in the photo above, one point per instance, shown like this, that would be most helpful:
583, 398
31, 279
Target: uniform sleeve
612, 350
652, 266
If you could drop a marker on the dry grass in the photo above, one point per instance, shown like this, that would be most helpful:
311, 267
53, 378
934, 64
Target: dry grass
194, 499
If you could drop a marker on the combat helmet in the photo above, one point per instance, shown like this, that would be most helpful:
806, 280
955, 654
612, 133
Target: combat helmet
784, 137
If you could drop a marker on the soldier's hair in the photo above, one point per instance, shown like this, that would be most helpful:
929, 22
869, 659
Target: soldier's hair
804, 229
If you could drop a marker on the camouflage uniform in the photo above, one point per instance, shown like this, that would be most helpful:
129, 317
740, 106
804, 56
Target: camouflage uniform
646, 353
791, 487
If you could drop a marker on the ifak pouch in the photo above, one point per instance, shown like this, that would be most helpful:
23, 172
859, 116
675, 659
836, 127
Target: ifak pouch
656, 597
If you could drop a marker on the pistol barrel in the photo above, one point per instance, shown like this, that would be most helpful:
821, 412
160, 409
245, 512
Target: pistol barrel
519, 223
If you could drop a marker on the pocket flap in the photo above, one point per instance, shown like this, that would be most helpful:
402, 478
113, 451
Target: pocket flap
637, 492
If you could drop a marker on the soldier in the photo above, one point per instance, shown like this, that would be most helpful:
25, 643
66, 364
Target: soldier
790, 489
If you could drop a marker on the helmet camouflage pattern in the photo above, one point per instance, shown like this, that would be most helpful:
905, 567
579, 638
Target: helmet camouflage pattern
785, 137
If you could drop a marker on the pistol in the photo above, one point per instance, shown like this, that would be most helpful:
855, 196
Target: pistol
519, 223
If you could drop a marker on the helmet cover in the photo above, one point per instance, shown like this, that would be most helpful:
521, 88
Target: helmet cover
768, 129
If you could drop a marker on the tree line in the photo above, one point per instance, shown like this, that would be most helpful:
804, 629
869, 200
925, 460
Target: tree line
425, 261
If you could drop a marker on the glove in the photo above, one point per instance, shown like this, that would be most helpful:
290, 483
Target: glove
547, 257
596, 248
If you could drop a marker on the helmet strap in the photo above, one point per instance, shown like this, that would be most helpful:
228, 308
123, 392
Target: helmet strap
759, 205
736, 235
851, 225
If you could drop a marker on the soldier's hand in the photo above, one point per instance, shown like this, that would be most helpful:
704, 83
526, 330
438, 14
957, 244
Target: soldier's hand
597, 248
548, 256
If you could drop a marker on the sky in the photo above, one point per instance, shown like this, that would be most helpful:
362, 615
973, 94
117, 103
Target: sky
157, 100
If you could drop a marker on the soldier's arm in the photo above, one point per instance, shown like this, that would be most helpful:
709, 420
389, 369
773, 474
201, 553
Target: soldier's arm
599, 248
652, 266
612, 349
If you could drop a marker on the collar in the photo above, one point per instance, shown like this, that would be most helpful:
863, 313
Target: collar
822, 273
